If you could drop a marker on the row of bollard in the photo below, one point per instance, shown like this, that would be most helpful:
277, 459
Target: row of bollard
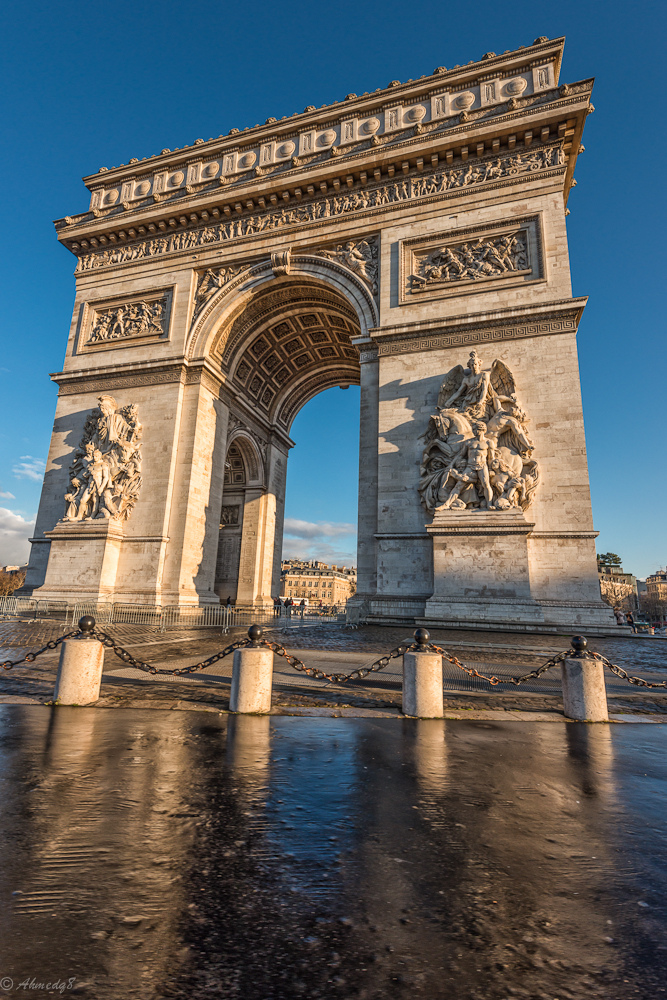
79, 677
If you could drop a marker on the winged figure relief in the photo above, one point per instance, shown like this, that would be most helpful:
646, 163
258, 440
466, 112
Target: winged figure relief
477, 451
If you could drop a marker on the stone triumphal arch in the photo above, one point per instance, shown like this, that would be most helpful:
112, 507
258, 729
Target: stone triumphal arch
411, 241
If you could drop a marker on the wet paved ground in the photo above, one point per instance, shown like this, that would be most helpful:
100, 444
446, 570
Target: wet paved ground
150, 854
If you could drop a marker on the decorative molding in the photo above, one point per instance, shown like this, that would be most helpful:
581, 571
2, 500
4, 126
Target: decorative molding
388, 535
238, 428
481, 335
394, 114
288, 299
564, 534
72, 385
280, 263
382, 195
464, 261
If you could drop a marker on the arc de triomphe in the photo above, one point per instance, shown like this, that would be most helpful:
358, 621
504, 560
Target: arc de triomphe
412, 241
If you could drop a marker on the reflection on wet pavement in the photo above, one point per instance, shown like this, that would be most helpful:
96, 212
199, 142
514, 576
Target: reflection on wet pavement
155, 854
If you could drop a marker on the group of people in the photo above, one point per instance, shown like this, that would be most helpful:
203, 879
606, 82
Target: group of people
288, 603
625, 618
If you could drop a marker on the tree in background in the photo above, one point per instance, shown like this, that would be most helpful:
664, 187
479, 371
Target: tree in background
9, 582
617, 594
607, 560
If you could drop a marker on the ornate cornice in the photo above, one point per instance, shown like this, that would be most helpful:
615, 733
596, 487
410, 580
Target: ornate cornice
486, 83
367, 200
559, 317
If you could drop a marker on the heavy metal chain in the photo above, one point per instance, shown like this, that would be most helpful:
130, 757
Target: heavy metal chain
321, 675
30, 657
148, 668
337, 678
493, 680
625, 676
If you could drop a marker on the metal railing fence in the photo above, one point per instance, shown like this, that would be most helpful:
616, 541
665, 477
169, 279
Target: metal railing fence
208, 616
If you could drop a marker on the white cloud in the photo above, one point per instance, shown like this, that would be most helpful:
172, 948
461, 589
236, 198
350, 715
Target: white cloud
30, 468
6, 495
14, 534
311, 540
317, 529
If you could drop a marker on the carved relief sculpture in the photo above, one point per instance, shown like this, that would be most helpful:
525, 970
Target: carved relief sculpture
229, 515
359, 257
134, 319
473, 260
105, 476
380, 195
478, 455
209, 282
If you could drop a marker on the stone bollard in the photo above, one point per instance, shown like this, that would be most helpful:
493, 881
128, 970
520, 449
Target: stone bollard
584, 692
80, 667
422, 681
252, 677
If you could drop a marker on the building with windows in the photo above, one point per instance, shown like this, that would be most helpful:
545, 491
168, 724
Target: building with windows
316, 581
656, 587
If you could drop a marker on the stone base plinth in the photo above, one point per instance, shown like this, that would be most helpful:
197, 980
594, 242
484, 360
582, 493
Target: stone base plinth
83, 561
480, 567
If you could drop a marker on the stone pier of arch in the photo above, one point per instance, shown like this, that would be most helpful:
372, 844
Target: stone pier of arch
220, 287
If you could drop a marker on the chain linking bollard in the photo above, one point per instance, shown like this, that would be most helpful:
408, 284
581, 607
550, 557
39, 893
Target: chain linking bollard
80, 667
422, 680
584, 691
252, 676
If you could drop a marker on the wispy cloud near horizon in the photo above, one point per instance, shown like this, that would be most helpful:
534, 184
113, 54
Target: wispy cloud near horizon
15, 531
325, 541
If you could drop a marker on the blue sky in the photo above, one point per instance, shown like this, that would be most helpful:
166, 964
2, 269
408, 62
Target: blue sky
92, 84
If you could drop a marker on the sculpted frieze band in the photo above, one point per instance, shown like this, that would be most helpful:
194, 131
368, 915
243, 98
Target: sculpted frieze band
478, 455
374, 196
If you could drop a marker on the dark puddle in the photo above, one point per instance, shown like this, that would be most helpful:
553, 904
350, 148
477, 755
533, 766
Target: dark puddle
155, 854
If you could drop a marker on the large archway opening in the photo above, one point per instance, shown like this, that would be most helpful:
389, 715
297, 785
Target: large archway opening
321, 498
291, 341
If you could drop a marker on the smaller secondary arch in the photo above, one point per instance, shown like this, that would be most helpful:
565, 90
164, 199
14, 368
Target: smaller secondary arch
251, 455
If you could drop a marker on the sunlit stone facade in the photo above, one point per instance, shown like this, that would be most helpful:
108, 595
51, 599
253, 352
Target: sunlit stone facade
378, 242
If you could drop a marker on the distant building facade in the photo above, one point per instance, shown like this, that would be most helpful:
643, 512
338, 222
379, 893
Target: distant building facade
316, 581
654, 598
618, 588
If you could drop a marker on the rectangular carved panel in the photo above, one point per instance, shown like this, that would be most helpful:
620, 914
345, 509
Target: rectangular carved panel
229, 515
462, 261
122, 322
